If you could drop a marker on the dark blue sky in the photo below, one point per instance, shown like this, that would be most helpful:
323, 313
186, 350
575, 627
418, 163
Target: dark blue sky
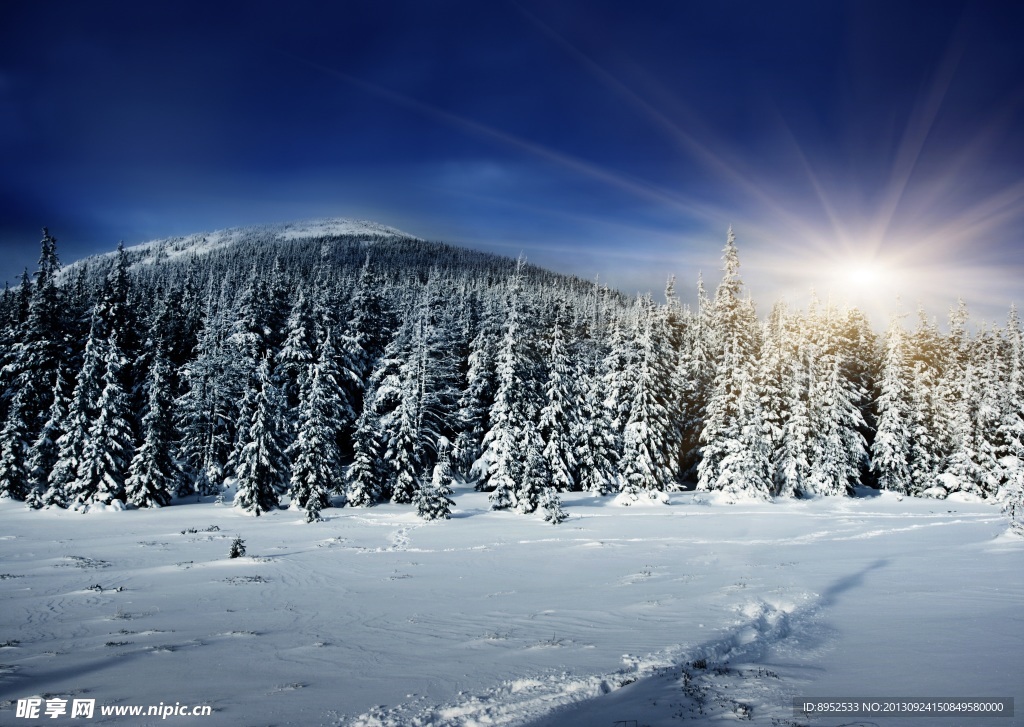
596, 137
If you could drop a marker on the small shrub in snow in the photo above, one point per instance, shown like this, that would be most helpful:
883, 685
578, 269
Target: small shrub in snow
237, 548
552, 507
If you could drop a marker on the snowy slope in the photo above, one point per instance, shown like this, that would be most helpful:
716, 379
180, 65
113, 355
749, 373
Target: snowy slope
376, 618
203, 243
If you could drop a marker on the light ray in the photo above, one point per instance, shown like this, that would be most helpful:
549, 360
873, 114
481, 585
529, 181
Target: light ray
579, 166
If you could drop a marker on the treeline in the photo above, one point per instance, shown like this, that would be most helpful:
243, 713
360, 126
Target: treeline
358, 369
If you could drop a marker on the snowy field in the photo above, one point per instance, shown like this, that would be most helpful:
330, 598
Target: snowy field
692, 611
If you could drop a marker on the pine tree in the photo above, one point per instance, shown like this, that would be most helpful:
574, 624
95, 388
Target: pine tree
596, 454
1011, 425
74, 427
513, 402
107, 451
838, 449
366, 471
928, 412
744, 471
551, 506
890, 452
792, 470
694, 379
478, 396
534, 477
433, 500
153, 474
647, 452
41, 346
402, 455
316, 461
733, 346
296, 354
558, 418
14, 473
262, 466
42, 458
207, 414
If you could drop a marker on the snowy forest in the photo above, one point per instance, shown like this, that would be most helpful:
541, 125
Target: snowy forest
352, 368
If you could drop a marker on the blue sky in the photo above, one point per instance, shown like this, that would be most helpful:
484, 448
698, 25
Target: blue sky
862, 149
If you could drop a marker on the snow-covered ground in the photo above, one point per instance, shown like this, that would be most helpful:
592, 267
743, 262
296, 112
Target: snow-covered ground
653, 614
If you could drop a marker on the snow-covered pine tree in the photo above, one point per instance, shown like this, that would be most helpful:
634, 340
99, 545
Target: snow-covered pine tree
478, 396
929, 421
41, 345
792, 462
14, 473
694, 379
42, 458
207, 413
316, 461
559, 418
620, 368
773, 375
1011, 425
744, 471
890, 452
401, 452
153, 474
972, 466
838, 450
513, 402
433, 500
75, 427
262, 471
107, 452
551, 506
733, 344
648, 454
596, 454
296, 353
365, 474
534, 476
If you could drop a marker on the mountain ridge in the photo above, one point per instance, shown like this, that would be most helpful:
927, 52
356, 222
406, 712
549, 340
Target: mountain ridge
203, 243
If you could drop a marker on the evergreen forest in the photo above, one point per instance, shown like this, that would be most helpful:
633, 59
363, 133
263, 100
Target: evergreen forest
332, 369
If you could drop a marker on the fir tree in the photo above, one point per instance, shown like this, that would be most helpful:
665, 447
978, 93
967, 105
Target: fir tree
107, 452
433, 500
262, 467
534, 477
647, 452
551, 506
42, 458
366, 471
890, 452
744, 471
153, 474
512, 404
558, 418
14, 474
733, 346
296, 354
316, 462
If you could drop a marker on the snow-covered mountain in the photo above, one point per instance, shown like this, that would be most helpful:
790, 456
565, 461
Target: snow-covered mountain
203, 243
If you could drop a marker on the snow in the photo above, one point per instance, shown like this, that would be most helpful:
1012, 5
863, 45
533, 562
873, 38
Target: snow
373, 617
203, 243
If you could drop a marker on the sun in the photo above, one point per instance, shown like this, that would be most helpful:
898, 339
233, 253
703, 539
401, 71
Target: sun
863, 275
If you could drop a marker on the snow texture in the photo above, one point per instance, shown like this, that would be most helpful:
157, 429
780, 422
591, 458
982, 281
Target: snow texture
689, 611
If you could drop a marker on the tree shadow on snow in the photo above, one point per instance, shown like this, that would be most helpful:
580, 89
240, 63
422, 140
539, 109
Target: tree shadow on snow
708, 681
